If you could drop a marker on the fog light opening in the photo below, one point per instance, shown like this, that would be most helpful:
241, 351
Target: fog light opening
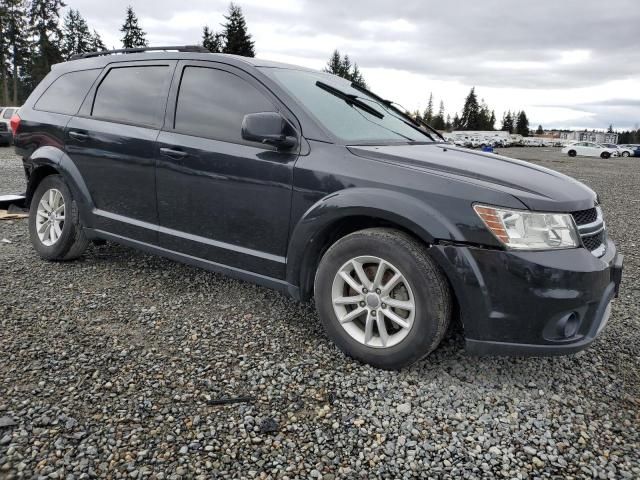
568, 325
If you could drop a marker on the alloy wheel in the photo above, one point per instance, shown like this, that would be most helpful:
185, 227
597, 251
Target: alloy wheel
50, 217
373, 301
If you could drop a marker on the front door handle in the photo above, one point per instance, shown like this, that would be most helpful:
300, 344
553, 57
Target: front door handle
80, 136
173, 153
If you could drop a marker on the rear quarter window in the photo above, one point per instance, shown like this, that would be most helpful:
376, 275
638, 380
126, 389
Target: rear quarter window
8, 113
66, 93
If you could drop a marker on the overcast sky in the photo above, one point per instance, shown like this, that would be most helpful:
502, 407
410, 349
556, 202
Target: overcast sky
568, 63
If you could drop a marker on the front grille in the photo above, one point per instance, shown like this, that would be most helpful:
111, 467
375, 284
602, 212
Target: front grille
584, 217
593, 242
592, 231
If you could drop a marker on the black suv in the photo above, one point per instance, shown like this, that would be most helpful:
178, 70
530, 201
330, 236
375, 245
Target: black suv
306, 183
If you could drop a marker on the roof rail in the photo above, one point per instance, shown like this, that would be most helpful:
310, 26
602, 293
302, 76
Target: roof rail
182, 48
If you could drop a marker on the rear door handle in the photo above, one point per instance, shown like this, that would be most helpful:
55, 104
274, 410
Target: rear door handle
173, 153
79, 136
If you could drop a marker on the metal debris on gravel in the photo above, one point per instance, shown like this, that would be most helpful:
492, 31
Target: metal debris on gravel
112, 365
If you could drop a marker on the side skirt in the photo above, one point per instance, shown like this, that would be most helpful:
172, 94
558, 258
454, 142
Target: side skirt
251, 277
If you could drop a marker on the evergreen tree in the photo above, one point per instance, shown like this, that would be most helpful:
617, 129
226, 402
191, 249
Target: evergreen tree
4, 54
522, 124
211, 41
237, 39
539, 130
507, 122
19, 48
456, 122
492, 121
357, 77
96, 44
342, 67
448, 125
44, 19
134, 36
470, 119
76, 36
438, 121
428, 113
610, 129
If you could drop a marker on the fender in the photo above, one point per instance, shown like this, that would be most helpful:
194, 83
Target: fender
307, 237
62, 163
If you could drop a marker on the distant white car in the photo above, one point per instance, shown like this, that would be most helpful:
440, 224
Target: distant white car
589, 149
623, 150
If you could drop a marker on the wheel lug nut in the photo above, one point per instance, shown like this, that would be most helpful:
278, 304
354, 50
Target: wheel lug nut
378, 291
384, 305
364, 290
373, 313
362, 304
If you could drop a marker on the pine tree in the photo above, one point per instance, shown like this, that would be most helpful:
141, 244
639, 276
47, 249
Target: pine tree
211, 41
492, 121
438, 121
44, 19
134, 36
357, 77
539, 130
448, 125
428, 113
19, 46
237, 39
96, 44
507, 122
522, 124
470, 119
4, 54
342, 67
610, 129
76, 36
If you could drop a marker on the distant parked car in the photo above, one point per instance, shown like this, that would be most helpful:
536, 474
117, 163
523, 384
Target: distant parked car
589, 149
6, 136
633, 147
622, 150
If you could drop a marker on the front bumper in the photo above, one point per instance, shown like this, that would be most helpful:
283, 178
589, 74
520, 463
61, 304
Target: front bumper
531, 303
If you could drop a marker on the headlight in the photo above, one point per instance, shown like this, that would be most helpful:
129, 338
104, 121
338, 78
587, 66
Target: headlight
525, 230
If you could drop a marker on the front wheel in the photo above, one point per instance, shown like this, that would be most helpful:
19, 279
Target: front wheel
572, 153
54, 224
625, 154
381, 298
605, 155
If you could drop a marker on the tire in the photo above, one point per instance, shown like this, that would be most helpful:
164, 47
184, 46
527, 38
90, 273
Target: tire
605, 155
423, 286
625, 154
71, 241
571, 153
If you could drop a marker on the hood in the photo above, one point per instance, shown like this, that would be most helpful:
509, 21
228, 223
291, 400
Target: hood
537, 187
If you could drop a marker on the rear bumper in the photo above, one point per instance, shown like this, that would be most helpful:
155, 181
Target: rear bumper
531, 303
6, 137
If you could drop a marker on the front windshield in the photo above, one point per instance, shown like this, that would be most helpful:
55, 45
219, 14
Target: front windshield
348, 122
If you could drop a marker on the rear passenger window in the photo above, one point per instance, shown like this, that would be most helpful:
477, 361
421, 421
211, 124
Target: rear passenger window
134, 95
66, 93
212, 104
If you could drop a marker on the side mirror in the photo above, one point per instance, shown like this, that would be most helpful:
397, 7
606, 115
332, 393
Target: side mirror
270, 128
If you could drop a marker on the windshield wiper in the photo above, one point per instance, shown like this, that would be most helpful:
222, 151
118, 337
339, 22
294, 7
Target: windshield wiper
405, 115
353, 100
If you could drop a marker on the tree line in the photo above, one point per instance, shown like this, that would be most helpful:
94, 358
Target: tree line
34, 36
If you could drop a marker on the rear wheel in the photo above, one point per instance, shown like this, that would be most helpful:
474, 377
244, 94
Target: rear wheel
605, 155
625, 154
54, 224
572, 153
381, 298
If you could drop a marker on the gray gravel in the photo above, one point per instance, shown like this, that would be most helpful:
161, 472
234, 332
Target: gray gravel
120, 364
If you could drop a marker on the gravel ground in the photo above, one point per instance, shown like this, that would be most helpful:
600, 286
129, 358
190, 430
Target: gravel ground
121, 364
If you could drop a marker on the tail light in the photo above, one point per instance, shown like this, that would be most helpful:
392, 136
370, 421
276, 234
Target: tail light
14, 123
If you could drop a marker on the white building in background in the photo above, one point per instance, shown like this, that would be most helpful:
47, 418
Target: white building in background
586, 136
